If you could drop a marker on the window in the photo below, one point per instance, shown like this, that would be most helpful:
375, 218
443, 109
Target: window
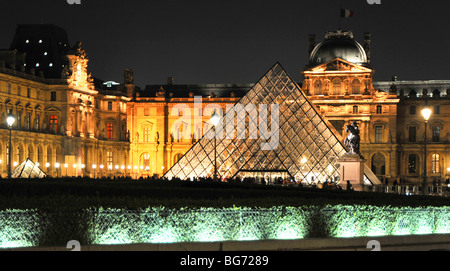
412, 134
146, 134
53, 96
318, 87
19, 120
435, 163
109, 130
337, 86
379, 109
28, 92
19, 90
53, 123
28, 121
437, 110
356, 87
412, 164
110, 105
436, 133
8, 88
109, 159
355, 109
412, 110
378, 134
37, 122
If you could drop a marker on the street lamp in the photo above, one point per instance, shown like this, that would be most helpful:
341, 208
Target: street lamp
215, 121
426, 113
10, 121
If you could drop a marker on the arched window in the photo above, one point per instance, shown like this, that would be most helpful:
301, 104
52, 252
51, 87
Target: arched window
49, 156
435, 167
337, 86
318, 87
379, 164
356, 87
379, 109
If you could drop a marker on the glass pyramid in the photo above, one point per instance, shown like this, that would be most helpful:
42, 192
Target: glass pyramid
307, 147
28, 169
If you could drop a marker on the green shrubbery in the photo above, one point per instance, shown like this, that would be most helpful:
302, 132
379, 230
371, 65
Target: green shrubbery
78, 193
54, 211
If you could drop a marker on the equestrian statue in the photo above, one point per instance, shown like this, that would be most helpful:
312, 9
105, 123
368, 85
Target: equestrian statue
353, 140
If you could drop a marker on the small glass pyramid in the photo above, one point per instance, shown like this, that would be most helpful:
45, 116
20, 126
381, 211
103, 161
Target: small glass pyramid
28, 169
307, 147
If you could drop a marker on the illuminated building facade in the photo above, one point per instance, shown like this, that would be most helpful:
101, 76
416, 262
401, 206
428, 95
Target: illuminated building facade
165, 121
65, 120
64, 116
339, 81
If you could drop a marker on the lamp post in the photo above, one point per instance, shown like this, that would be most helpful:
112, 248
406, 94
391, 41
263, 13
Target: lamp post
57, 165
426, 113
10, 121
94, 166
215, 121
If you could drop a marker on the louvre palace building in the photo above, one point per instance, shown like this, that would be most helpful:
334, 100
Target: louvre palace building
70, 123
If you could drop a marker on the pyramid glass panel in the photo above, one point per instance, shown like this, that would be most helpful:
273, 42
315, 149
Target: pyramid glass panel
298, 142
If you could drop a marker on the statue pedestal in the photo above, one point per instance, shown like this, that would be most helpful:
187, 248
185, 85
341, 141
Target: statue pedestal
352, 169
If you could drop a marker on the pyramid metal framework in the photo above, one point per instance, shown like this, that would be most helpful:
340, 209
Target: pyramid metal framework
308, 148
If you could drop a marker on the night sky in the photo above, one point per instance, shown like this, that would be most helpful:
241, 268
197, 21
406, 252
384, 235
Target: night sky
199, 42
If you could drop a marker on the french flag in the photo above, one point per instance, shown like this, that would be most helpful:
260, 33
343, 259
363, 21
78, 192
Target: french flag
346, 13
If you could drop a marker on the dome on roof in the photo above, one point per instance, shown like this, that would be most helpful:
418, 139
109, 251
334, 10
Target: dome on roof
338, 44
